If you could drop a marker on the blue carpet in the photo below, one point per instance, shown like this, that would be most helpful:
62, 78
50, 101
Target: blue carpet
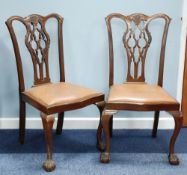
133, 152
83, 141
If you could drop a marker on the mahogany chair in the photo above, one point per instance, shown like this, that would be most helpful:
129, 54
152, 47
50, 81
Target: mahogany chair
49, 98
136, 94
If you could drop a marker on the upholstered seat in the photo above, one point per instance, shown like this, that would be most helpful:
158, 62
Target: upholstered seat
50, 94
139, 93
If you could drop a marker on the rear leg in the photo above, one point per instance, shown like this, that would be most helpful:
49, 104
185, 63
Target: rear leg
22, 116
155, 124
111, 126
60, 123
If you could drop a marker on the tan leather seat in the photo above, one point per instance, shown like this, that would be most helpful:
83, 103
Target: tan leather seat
140, 93
50, 95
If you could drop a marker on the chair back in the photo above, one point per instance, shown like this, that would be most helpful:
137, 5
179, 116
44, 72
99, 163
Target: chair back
136, 40
37, 41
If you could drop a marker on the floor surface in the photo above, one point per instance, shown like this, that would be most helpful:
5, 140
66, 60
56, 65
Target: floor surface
133, 152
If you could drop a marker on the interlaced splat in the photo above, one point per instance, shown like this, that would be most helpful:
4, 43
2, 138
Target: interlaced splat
37, 41
136, 40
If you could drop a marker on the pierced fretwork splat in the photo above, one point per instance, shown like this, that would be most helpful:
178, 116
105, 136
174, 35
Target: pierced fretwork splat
136, 41
37, 41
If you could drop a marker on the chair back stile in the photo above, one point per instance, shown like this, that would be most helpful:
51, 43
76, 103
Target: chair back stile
37, 41
136, 40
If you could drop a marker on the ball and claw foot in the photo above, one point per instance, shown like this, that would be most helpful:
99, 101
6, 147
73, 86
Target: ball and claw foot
49, 165
100, 146
173, 159
105, 157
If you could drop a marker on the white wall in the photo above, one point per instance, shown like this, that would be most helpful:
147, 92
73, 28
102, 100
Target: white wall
85, 46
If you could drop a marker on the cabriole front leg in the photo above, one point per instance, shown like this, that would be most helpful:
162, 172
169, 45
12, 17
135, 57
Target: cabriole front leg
100, 145
105, 121
48, 121
177, 115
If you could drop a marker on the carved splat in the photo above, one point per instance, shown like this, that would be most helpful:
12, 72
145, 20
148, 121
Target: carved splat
136, 40
37, 41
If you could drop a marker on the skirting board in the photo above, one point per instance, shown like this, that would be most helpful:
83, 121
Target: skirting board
91, 123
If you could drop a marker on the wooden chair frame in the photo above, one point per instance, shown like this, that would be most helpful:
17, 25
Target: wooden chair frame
36, 23
184, 91
111, 108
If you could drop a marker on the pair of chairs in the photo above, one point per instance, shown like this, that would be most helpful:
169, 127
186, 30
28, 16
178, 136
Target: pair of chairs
135, 95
